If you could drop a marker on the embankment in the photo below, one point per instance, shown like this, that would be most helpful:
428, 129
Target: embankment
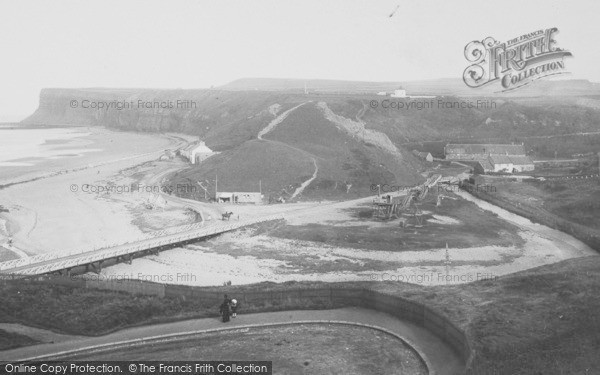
587, 235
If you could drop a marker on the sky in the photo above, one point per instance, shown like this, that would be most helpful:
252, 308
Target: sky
199, 44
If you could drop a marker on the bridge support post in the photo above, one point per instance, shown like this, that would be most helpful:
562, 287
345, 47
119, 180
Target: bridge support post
64, 272
124, 258
98, 268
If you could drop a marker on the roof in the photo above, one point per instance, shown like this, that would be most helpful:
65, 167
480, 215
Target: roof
521, 160
421, 153
486, 164
198, 147
498, 149
500, 159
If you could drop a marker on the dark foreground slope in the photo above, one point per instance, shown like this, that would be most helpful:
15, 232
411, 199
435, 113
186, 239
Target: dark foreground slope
541, 321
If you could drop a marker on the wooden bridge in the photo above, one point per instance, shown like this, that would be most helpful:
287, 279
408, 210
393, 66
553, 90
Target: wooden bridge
149, 243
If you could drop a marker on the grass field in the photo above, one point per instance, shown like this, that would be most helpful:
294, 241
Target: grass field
541, 321
571, 206
297, 349
574, 200
470, 227
577, 201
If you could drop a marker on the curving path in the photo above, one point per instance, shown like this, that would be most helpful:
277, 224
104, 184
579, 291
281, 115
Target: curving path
278, 120
307, 182
440, 358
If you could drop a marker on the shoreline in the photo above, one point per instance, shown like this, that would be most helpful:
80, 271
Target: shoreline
50, 217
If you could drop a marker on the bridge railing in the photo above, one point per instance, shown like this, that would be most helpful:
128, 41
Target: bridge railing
57, 254
186, 233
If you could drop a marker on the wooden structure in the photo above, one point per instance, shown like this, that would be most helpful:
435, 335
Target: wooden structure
389, 207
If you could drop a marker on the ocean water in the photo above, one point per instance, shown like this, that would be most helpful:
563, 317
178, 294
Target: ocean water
25, 147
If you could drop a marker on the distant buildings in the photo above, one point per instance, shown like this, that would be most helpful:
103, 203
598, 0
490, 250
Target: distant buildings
491, 157
197, 153
423, 155
239, 197
399, 94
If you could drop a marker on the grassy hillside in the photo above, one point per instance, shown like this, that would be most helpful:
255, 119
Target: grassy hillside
284, 159
542, 321
276, 165
342, 158
230, 121
226, 119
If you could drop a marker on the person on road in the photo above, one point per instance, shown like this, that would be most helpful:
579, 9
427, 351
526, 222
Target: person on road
234, 307
225, 309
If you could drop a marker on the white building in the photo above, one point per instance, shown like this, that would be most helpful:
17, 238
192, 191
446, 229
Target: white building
491, 157
423, 155
399, 94
501, 163
197, 152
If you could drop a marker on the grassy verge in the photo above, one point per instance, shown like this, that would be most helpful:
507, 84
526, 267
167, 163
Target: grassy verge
571, 207
84, 311
80, 311
10, 340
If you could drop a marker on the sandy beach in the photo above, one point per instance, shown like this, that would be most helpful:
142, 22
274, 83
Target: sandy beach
62, 207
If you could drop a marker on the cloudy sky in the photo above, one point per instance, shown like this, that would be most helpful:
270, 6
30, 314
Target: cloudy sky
197, 44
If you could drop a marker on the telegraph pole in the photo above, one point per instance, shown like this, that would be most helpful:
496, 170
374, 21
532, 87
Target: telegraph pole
216, 187
447, 262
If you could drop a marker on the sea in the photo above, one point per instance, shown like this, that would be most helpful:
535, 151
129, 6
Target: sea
29, 146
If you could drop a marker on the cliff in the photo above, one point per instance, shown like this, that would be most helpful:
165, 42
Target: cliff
224, 118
